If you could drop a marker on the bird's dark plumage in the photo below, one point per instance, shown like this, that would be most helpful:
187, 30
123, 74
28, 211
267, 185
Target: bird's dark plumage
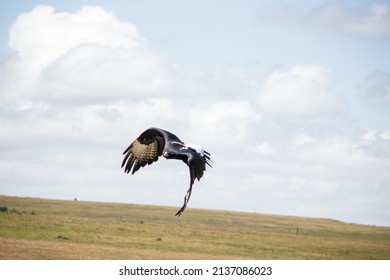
155, 142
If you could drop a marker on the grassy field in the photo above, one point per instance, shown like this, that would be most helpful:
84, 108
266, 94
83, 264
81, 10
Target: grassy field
32, 228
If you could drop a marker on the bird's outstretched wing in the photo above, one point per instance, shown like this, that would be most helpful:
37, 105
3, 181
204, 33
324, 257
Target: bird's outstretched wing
144, 150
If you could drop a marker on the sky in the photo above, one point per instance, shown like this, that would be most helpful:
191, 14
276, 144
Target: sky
290, 98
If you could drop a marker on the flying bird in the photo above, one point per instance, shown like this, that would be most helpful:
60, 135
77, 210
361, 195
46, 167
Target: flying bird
155, 142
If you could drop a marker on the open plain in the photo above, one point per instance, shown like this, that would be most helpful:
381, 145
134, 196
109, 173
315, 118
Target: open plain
33, 228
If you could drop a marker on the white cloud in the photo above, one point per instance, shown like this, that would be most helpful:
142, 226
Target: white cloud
303, 139
336, 150
369, 137
87, 55
320, 187
376, 143
301, 90
264, 149
41, 36
379, 88
386, 135
244, 77
348, 158
225, 123
372, 20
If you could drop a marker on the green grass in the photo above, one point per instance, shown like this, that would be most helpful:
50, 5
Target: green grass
138, 231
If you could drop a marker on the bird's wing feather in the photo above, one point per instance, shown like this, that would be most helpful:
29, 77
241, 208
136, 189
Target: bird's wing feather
144, 150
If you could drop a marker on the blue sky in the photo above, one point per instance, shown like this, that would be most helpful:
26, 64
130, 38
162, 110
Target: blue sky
291, 99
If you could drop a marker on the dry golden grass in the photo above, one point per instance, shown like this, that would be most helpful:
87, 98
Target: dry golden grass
24, 249
52, 229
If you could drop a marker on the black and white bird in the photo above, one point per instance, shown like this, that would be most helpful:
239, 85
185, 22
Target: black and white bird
155, 142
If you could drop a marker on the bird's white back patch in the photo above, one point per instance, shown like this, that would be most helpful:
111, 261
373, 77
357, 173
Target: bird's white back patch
197, 148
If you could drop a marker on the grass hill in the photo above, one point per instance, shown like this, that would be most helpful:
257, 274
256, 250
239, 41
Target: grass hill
32, 228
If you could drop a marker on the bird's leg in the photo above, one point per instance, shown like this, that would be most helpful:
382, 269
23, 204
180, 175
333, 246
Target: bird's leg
186, 199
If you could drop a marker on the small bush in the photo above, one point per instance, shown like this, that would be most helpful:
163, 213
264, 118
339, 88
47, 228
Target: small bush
14, 211
62, 237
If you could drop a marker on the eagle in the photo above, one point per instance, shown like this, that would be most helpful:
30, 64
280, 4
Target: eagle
155, 142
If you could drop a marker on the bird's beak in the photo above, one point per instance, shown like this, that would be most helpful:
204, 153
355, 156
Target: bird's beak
165, 154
